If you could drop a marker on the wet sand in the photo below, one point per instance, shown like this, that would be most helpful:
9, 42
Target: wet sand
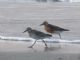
11, 50
38, 56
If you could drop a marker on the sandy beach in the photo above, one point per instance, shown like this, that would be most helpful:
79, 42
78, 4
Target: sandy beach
11, 50
16, 17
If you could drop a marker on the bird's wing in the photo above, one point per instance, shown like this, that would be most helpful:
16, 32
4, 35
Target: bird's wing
39, 33
53, 27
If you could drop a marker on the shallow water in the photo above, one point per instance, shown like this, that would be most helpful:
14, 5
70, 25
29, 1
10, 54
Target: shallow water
16, 17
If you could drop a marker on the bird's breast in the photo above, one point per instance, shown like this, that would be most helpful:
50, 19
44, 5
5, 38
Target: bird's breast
48, 29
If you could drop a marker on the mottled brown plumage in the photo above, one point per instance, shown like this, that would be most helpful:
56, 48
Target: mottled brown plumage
53, 29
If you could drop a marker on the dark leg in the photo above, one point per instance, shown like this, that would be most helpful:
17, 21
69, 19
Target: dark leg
44, 42
60, 35
32, 44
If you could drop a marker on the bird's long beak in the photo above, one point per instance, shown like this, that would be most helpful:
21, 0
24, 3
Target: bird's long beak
41, 24
25, 31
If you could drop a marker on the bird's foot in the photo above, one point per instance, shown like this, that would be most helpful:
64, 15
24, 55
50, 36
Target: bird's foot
46, 47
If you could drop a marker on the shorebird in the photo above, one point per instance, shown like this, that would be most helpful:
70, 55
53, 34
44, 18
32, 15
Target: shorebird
53, 29
37, 35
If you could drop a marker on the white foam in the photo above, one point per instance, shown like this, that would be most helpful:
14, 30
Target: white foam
47, 40
14, 38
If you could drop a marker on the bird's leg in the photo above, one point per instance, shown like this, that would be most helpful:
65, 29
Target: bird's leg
60, 35
52, 35
44, 42
32, 44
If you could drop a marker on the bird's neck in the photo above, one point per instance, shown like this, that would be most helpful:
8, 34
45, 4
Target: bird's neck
46, 25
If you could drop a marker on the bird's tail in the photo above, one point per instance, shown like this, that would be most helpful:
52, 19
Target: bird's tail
66, 30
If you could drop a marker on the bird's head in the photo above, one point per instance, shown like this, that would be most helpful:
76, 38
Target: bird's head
44, 23
28, 29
